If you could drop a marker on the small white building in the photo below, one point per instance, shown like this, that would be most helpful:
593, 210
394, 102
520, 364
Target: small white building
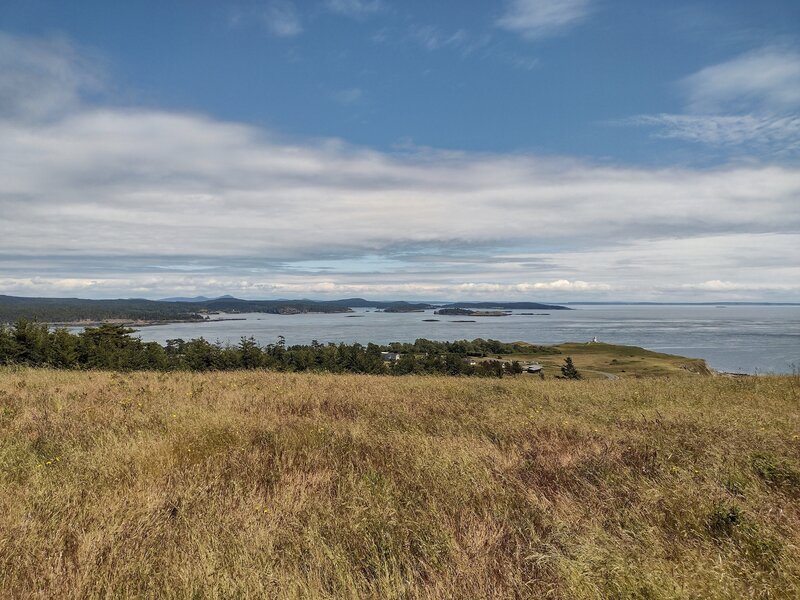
390, 356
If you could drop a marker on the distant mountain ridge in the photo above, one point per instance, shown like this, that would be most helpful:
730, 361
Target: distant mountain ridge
185, 299
194, 298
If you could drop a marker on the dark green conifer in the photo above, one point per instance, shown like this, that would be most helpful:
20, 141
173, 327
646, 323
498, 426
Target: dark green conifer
568, 370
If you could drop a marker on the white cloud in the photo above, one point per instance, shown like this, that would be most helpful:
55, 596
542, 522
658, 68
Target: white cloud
193, 175
560, 285
282, 19
157, 188
763, 80
750, 101
540, 18
114, 201
249, 287
40, 78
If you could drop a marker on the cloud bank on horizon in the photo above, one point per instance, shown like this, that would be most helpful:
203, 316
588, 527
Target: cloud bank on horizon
104, 196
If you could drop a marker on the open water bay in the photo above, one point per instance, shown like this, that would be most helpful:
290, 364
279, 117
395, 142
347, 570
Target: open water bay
736, 338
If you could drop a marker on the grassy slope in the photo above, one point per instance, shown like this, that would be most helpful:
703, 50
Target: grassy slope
597, 360
279, 485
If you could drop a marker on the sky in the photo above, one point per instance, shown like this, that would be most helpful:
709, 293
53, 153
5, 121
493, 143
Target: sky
556, 150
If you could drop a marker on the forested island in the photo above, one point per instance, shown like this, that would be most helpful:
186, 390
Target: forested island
505, 306
139, 311
469, 312
142, 311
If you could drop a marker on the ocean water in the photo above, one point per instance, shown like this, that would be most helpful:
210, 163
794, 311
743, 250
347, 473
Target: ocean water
742, 339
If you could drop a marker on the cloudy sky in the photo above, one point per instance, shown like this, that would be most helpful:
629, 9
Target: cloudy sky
520, 149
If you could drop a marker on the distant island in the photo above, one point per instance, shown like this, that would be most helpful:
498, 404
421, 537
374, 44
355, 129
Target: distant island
468, 312
141, 312
506, 306
493, 309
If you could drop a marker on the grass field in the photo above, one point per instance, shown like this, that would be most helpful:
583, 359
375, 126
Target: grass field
596, 360
255, 484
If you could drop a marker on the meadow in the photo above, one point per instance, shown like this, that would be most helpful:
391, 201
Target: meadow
283, 485
596, 360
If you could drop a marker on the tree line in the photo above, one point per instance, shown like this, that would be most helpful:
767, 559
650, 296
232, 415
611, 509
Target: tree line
111, 346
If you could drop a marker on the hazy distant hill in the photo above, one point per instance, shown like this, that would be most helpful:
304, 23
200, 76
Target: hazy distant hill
184, 299
203, 299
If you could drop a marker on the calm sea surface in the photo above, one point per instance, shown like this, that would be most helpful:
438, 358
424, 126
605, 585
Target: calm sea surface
746, 339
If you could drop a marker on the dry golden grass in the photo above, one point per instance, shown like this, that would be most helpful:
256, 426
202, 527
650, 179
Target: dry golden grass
254, 484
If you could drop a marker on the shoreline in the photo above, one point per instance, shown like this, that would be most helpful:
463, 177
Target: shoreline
149, 329
152, 323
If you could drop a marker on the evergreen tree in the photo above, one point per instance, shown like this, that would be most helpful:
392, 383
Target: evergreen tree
251, 355
111, 346
568, 370
108, 347
373, 360
9, 348
32, 341
63, 349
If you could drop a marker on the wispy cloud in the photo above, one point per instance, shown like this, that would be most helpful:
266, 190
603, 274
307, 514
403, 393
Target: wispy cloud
525, 63
348, 96
432, 38
764, 133
42, 77
750, 101
282, 18
356, 9
464, 42
535, 19
764, 80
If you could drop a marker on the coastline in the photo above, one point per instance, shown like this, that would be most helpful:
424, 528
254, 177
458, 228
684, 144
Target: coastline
138, 323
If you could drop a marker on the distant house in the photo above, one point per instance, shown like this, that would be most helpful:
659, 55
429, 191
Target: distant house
390, 356
533, 368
